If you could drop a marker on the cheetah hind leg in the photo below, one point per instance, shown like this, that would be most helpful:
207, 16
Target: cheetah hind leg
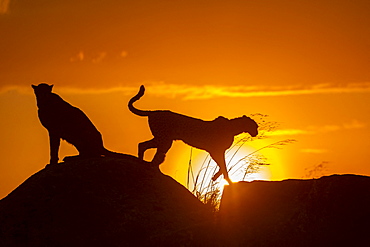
162, 149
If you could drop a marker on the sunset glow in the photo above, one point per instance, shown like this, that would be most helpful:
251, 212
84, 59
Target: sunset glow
304, 64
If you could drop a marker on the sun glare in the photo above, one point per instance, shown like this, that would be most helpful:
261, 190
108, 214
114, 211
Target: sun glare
238, 161
238, 171
243, 165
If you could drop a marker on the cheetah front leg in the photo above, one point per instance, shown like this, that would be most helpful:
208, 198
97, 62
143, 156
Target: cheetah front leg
219, 158
54, 141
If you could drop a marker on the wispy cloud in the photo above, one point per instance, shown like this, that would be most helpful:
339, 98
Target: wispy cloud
203, 92
94, 58
99, 57
78, 57
289, 132
354, 124
193, 92
124, 54
4, 6
310, 130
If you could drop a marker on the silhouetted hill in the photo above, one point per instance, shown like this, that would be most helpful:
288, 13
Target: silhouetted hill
126, 202
102, 202
330, 211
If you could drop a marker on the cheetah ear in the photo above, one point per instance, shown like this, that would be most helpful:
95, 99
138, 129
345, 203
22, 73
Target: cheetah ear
33, 86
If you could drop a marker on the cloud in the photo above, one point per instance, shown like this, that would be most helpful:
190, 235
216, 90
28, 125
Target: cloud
78, 57
4, 6
289, 132
99, 57
94, 58
124, 54
311, 130
203, 92
193, 92
354, 124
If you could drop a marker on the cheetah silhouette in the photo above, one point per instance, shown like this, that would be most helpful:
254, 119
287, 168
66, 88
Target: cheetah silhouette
64, 121
214, 136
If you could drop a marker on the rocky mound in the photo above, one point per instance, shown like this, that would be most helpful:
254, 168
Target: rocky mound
102, 202
330, 211
126, 202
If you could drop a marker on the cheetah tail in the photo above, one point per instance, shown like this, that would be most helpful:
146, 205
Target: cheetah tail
136, 98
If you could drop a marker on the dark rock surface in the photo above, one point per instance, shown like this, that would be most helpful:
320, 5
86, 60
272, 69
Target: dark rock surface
330, 211
126, 202
102, 202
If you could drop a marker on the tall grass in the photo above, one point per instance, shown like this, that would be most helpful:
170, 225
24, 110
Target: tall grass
209, 191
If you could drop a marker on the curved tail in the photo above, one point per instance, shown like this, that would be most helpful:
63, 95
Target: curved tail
136, 98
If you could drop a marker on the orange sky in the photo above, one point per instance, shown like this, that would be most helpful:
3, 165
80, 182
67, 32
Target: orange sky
303, 63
